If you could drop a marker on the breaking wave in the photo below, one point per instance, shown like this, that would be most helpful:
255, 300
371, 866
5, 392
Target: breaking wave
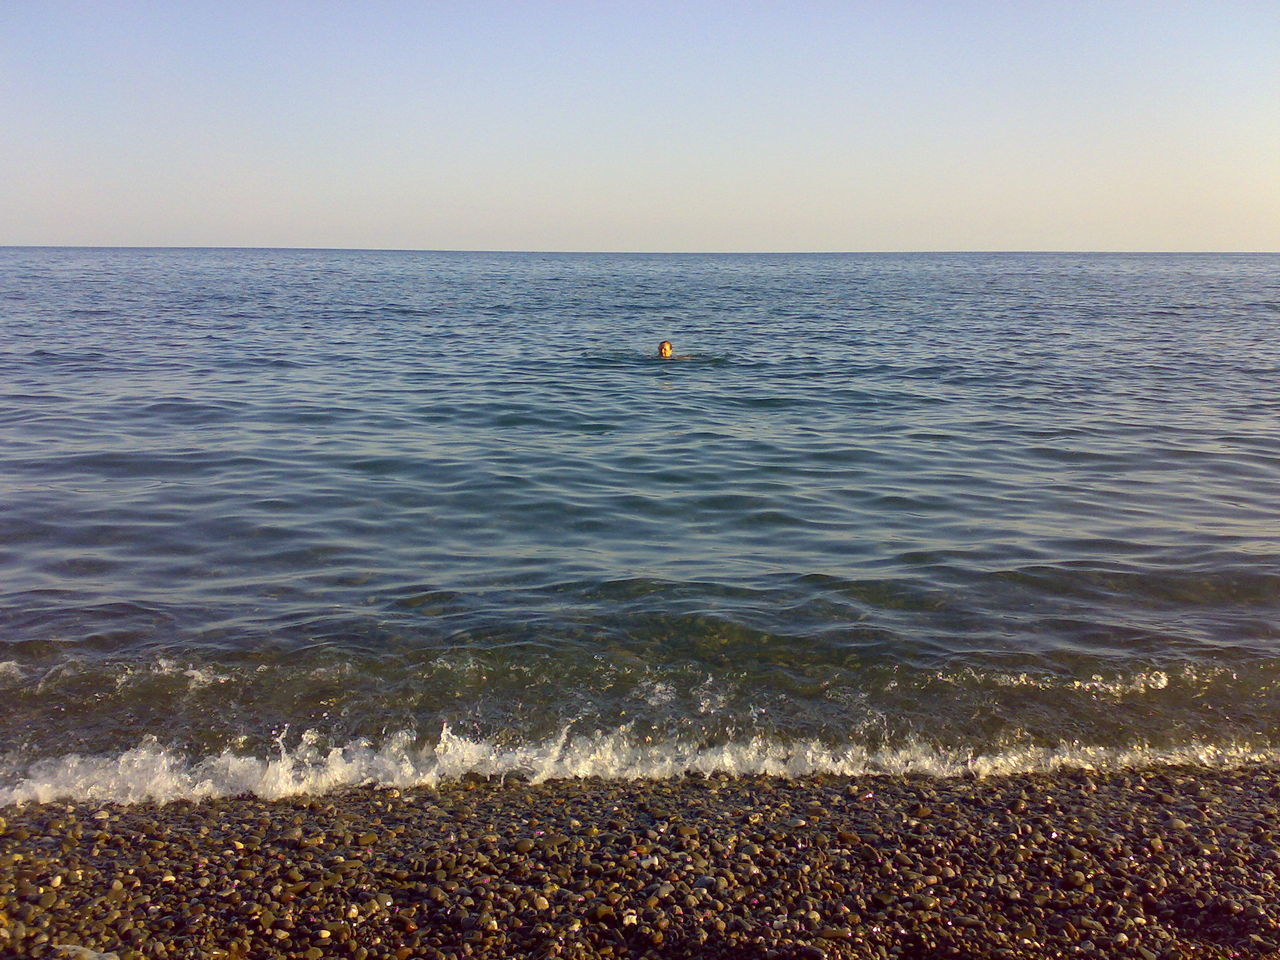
151, 772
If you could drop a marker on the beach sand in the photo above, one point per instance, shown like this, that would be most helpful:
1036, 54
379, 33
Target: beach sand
1162, 863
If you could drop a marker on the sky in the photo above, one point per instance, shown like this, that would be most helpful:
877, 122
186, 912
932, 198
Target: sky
804, 125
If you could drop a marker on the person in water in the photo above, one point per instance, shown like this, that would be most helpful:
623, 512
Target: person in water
667, 352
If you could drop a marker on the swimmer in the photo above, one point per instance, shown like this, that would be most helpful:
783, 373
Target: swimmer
667, 352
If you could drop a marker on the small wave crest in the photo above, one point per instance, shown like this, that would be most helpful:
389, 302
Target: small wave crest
151, 772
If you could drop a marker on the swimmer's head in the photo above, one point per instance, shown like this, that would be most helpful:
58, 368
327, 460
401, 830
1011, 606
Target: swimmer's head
665, 349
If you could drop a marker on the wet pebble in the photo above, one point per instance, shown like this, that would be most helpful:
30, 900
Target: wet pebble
1067, 865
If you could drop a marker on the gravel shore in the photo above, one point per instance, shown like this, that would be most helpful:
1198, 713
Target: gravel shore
1163, 863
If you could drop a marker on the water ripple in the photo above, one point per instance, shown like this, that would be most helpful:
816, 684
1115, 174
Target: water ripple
890, 503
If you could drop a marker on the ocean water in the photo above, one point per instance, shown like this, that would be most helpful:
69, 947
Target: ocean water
284, 520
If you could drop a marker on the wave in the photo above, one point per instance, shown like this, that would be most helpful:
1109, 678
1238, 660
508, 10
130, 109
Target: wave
151, 772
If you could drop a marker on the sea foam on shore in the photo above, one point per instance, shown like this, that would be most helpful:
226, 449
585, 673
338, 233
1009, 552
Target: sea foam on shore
152, 772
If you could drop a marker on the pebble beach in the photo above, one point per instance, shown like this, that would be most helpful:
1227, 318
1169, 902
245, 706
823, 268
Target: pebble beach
1170, 862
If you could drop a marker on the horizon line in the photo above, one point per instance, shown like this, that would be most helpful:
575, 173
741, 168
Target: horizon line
619, 252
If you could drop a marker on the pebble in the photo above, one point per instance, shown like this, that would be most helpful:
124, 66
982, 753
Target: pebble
1073, 864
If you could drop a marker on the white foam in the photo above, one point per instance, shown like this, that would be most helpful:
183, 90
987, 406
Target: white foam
712, 698
125, 675
9, 670
197, 676
152, 772
1115, 688
656, 693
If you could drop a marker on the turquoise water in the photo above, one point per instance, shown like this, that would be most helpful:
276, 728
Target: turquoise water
276, 520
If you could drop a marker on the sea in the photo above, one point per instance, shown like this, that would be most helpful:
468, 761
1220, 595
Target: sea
287, 521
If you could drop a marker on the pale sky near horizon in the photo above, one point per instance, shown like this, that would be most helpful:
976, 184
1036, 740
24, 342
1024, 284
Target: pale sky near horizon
695, 125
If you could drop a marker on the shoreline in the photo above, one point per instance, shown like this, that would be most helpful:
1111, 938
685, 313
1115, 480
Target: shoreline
1161, 863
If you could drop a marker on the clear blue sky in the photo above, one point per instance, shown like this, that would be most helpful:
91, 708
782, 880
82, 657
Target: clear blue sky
695, 125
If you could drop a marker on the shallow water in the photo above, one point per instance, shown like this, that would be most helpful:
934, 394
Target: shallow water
278, 520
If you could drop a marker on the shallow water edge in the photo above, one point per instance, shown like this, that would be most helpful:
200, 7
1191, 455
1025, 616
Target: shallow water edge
152, 773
